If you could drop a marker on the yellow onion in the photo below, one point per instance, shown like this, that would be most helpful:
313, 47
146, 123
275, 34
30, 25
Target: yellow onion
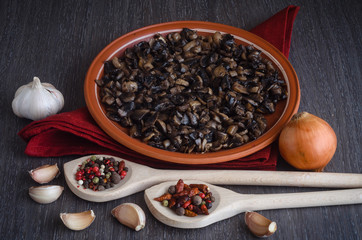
307, 142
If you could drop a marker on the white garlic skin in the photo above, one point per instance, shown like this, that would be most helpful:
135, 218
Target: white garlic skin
130, 215
78, 221
45, 173
259, 225
37, 100
45, 194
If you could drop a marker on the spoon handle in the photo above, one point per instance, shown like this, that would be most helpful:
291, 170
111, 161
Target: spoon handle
268, 178
299, 200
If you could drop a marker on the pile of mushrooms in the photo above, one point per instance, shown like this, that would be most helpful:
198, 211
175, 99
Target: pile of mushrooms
190, 93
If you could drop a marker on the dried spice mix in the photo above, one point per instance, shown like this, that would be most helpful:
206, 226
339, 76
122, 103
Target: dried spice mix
100, 173
189, 200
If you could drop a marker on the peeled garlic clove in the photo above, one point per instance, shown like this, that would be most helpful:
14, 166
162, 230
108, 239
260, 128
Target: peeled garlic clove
45, 173
259, 225
131, 215
45, 194
78, 221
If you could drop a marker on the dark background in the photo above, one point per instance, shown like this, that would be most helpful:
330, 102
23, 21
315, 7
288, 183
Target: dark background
57, 40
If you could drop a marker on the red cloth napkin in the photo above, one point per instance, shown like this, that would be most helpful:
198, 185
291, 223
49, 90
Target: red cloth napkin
278, 29
76, 133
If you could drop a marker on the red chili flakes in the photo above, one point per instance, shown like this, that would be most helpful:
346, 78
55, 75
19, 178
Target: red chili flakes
189, 200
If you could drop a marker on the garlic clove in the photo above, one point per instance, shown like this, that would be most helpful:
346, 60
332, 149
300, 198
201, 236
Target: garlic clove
37, 100
45, 173
130, 215
45, 194
78, 221
259, 225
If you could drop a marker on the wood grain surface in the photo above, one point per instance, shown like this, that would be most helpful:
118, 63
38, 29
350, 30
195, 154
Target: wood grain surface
57, 40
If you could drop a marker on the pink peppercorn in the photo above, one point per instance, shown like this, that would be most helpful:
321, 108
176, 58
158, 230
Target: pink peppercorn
123, 173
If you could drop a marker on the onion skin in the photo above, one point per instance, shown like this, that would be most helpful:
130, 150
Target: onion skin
307, 142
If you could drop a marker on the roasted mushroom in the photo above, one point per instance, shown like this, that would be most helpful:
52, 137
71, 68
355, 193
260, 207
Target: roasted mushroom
190, 93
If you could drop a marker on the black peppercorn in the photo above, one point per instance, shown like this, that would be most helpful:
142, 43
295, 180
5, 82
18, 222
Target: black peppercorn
172, 189
208, 205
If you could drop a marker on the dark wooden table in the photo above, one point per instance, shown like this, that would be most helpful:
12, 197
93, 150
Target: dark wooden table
57, 40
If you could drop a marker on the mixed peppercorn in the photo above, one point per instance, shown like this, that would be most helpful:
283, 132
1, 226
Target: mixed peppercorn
100, 173
189, 200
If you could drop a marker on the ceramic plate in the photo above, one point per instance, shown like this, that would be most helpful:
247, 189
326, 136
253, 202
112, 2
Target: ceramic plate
284, 109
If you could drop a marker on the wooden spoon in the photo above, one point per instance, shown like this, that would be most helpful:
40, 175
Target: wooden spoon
140, 177
228, 203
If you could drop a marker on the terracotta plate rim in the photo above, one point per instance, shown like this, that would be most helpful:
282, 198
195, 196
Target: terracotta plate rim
111, 128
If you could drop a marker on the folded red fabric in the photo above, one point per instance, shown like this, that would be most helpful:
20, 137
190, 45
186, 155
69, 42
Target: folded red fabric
278, 29
76, 133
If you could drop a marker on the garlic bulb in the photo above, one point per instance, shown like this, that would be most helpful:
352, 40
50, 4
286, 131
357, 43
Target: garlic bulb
37, 100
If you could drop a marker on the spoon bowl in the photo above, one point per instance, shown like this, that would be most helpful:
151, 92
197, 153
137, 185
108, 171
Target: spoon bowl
229, 203
140, 177
132, 183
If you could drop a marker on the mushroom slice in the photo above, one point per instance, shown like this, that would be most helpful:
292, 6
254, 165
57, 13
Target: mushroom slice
193, 118
221, 137
150, 121
139, 114
232, 129
113, 116
216, 146
185, 119
269, 106
161, 125
129, 86
182, 82
127, 97
109, 100
194, 104
135, 131
239, 88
